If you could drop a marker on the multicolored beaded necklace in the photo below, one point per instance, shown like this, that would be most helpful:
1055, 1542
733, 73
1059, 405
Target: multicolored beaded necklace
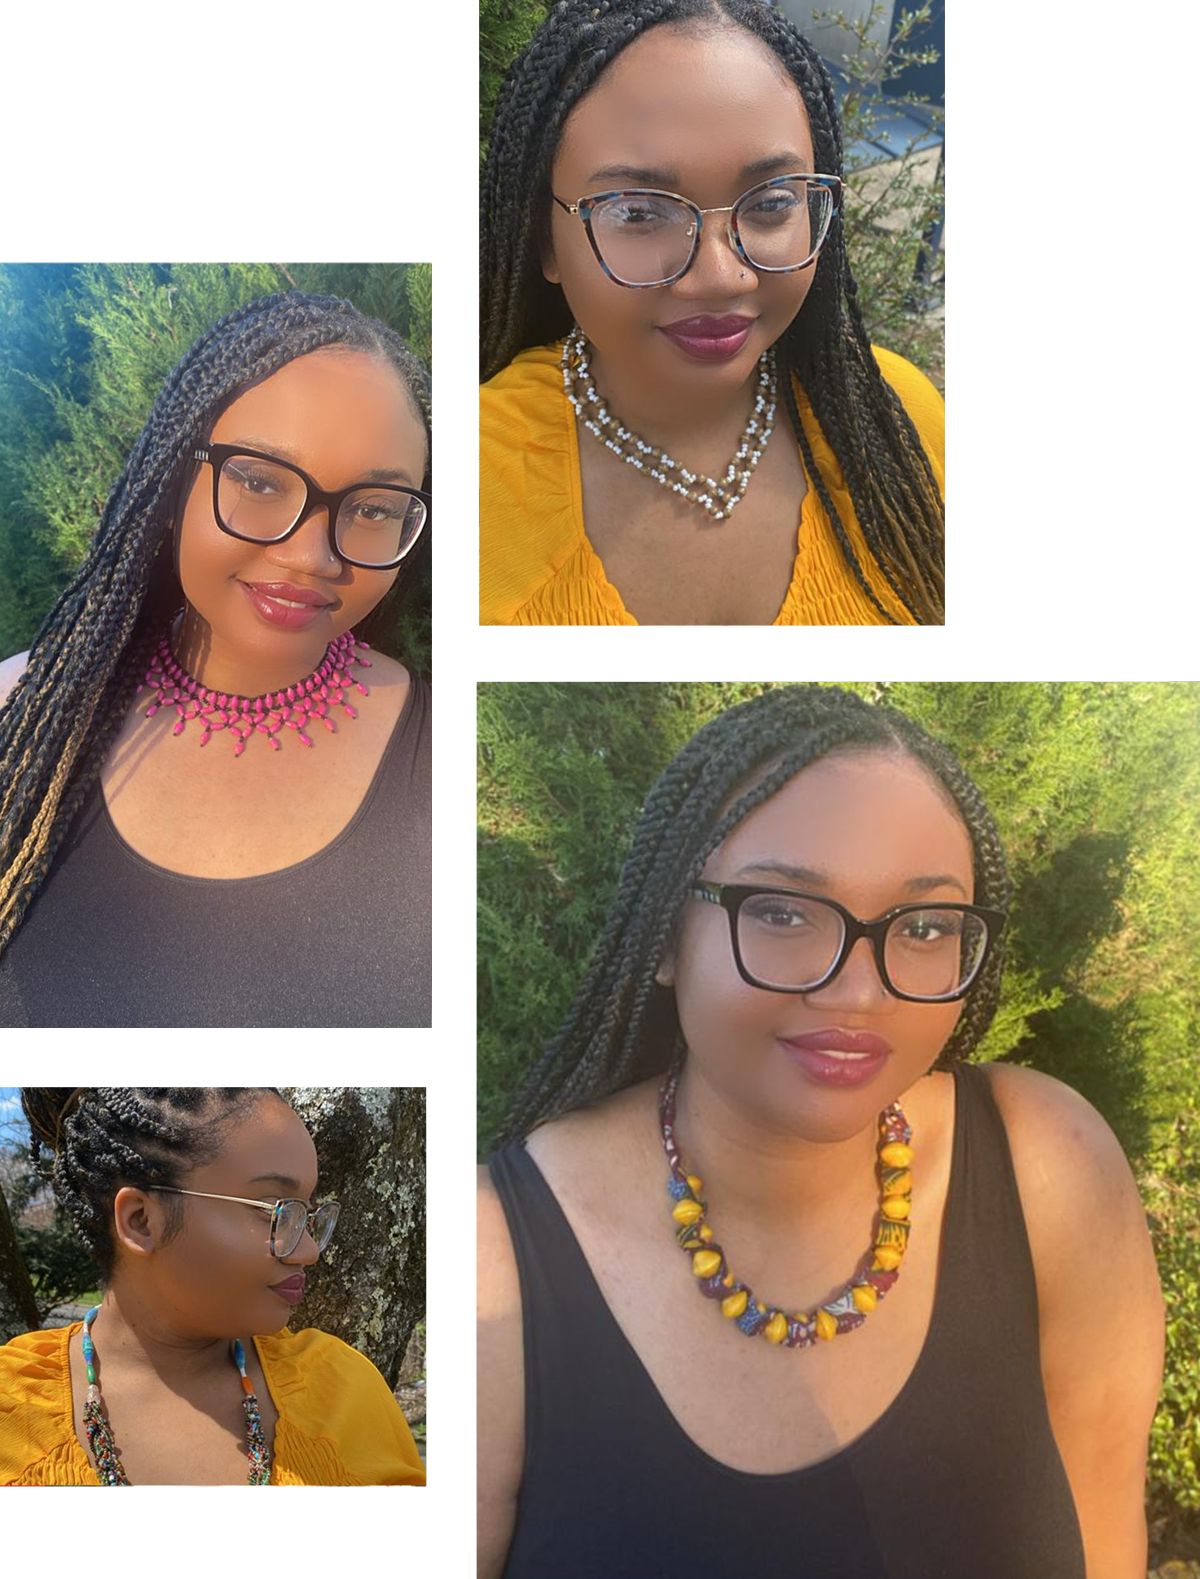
295, 707
738, 1304
109, 1468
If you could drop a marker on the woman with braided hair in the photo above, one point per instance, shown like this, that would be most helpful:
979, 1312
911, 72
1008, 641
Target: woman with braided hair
186, 1373
671, 333
214, 806
889, 1339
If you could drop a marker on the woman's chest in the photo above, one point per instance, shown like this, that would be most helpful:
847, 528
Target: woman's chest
745, 1402
164, 1439
673, 564
203, 813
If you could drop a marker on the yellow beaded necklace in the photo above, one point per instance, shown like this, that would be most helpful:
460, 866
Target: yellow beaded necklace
860, 1295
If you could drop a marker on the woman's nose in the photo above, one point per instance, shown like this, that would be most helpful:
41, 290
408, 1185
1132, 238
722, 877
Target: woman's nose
717, 268
857, 985
308, 549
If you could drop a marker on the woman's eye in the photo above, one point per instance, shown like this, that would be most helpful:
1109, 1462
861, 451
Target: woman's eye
772, 205
776, 914
255, 482
931, 929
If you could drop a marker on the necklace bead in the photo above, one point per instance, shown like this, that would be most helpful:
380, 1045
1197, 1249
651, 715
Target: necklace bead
860, 1295
718, 500
295, 707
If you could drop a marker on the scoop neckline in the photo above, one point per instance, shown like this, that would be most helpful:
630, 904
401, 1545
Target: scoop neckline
937, 1320
339, 838
588, 548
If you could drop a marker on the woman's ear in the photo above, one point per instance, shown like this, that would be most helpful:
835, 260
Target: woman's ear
665, 974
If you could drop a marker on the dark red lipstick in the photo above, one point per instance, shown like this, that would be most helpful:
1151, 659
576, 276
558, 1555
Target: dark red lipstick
710, 339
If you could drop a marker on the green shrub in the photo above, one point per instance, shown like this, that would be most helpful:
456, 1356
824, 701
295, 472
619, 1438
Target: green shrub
84, 351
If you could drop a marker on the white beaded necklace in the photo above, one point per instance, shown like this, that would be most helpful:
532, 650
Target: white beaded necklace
718, 499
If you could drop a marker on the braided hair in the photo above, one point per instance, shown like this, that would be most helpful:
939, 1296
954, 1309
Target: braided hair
892, 488
64, 712
90, 1142
623, 1026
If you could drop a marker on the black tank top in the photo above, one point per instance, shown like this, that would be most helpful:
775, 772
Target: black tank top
339, 939
960, 1474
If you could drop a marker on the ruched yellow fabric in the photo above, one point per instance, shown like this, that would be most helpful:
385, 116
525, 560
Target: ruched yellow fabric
536, 566
339, 1424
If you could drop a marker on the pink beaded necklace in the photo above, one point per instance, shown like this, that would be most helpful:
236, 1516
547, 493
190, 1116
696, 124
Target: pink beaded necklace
292, 708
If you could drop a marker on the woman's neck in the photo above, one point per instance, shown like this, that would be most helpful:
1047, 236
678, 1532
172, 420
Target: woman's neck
134, 1341
752, 1170
220, 665
699, 427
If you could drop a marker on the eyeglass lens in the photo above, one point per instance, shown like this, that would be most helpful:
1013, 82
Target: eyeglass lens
646, 238
259, 499
792, 942
291, 1220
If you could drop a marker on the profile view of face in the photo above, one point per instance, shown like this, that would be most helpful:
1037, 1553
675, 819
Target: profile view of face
707, 113
871, 831
342, 417
215, 1276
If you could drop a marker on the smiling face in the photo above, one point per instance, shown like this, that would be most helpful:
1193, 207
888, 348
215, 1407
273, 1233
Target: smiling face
870, 831
706, 113
215, 1276
340, 416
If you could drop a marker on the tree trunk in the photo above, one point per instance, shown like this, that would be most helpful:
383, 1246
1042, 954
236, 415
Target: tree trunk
18, 1307
368, 1288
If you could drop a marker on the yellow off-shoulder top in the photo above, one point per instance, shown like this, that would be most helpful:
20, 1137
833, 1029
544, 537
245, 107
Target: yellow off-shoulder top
339, 1424
536, 565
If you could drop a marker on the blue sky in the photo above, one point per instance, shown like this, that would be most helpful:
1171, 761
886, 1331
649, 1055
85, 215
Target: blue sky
12, 1121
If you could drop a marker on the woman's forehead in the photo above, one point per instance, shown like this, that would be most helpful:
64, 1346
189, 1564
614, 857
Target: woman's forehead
348, 411
696, 102
856, 814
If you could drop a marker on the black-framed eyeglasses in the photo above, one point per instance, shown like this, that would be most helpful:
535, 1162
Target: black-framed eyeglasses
643, 237
786, 941
261, 499
289, 1219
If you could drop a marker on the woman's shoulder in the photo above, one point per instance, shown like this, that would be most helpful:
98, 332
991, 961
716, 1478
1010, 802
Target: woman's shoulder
36, 1423
11, 671
530, 510
342, 1423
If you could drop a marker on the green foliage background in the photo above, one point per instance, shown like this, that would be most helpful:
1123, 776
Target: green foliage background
84, 351
1096, 787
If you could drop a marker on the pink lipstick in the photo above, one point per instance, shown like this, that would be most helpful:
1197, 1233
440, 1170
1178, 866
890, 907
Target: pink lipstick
710, 339
835, 1057
287, 607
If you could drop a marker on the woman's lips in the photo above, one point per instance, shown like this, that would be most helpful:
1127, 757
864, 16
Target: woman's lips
291, 1291
822, 1055
709, 339
282, 614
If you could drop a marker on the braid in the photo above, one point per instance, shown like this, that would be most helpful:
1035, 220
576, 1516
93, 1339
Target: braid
62, 715
90, 1142
622, 1026
875, 445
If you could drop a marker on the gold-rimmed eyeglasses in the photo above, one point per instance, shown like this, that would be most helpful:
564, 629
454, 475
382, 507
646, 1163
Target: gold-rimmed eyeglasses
289, 1219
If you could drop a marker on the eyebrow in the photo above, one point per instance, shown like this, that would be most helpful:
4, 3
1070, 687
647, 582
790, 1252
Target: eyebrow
380, 474
770, 164
817, 879
285, 1179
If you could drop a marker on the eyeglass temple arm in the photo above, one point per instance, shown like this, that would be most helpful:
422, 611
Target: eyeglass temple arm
571, 208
